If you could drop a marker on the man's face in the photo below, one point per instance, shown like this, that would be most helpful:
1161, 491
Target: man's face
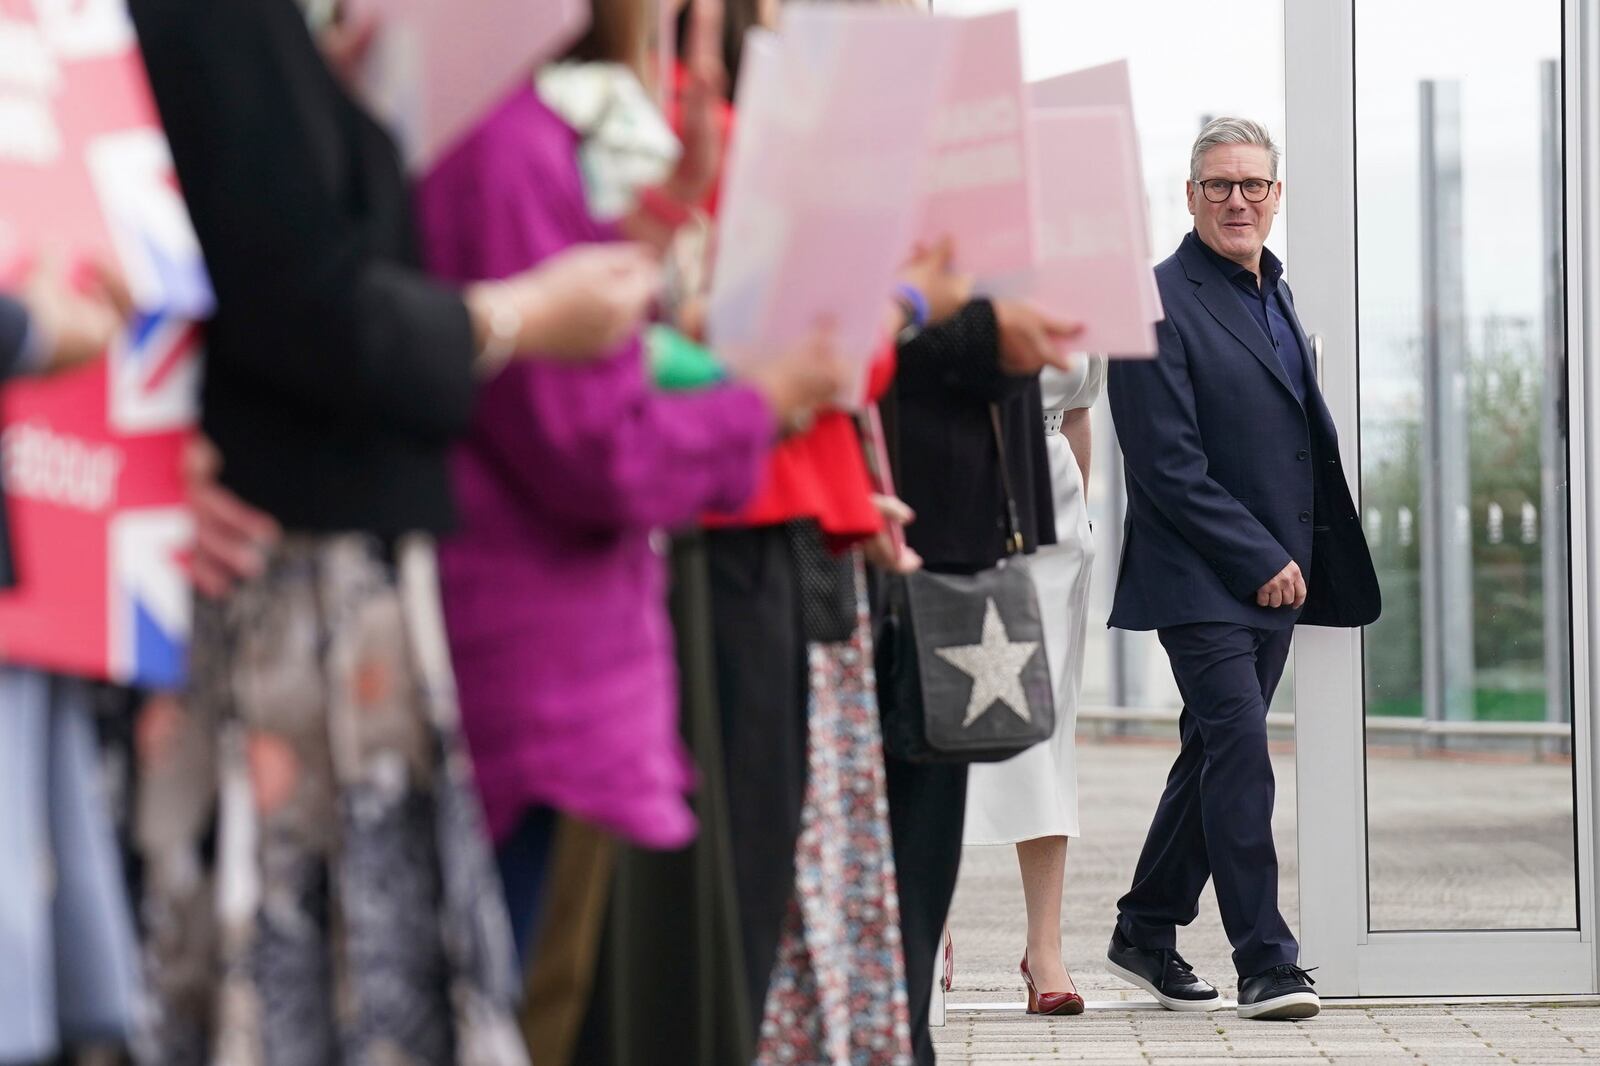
1236, 228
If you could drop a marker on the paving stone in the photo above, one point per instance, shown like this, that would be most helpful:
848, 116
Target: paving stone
1119, 785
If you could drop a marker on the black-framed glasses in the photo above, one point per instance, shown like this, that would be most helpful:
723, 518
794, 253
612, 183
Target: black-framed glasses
1218, 190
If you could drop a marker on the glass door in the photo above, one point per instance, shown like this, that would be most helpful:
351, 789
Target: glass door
1444, 202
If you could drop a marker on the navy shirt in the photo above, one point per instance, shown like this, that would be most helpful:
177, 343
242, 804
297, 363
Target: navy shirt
1266, 306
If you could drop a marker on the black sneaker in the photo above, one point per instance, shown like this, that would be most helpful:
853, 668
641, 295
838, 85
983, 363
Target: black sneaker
1282, 993
1162, 973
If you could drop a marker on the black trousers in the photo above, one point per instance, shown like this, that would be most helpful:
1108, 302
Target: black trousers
669, 987
763, 684
927, 807
1215, 817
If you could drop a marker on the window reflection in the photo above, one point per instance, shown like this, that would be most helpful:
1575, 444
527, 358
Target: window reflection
1470, 816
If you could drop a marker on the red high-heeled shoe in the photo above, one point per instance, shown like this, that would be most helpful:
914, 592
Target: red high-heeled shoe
1049, 1002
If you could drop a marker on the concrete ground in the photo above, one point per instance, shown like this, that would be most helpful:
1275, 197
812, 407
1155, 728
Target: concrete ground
1461, 842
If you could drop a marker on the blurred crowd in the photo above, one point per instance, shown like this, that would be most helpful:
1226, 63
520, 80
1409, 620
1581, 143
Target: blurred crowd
531, 712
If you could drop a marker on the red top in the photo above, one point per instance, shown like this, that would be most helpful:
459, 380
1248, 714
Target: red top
820, 474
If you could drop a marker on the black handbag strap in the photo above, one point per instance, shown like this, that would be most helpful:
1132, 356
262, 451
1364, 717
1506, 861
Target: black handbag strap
889, 413
1014, 542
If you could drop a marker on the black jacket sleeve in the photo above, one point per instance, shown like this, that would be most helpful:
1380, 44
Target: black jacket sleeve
960, 355
315, 306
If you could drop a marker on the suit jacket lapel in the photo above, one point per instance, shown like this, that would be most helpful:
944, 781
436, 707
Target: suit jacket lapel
1218, 295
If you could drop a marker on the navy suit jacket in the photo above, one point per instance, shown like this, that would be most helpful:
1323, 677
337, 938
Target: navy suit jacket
1229, 475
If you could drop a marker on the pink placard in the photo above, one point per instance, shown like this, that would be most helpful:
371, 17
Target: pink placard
816, 217
1092, 267
977, 187
437, 66
1106, 85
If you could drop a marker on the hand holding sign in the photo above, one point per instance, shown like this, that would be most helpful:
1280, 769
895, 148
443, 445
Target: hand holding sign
75, 323
805, 377
932, 273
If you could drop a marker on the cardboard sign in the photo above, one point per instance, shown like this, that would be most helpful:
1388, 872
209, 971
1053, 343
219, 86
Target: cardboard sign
978, 182
438, 66
1092, 261
1106, 85
92, 460
819, 197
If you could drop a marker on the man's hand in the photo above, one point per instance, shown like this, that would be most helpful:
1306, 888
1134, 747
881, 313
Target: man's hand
1031, 340
1288, 589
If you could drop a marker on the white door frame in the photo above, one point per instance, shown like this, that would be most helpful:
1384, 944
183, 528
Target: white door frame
1319, 81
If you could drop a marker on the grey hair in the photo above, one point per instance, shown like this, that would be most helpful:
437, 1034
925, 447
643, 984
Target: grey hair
1231, 131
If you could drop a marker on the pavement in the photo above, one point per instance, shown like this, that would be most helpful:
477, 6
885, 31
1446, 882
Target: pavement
1455, 842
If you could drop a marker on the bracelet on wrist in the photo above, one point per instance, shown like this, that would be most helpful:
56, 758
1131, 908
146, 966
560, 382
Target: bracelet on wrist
911, 298
502, 328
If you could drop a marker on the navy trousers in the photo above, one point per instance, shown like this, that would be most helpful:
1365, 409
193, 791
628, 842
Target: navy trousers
1215, 817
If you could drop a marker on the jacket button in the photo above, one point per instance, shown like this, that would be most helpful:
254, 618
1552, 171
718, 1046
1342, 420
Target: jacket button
1302, 455
1305, 516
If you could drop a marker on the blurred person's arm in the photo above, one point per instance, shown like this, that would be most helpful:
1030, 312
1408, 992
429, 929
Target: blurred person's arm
962, 355
930, 290
599, 449
703, 122
1075, 426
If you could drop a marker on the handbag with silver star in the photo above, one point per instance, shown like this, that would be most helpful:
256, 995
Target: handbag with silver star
962, 674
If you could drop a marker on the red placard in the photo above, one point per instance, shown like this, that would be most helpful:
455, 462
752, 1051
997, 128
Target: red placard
92, 460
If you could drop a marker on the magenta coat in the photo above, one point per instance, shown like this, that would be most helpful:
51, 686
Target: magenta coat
554, 586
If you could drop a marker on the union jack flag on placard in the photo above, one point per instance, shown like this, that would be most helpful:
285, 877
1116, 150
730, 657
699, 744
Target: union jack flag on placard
92, 459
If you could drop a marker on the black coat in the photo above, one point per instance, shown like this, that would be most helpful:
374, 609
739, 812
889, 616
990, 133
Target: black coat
336, 373
1229, 475
945, 457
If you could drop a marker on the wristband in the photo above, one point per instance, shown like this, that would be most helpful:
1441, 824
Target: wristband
916, 304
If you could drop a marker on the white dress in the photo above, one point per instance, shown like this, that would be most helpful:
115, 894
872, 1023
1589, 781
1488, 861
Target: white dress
1035, 794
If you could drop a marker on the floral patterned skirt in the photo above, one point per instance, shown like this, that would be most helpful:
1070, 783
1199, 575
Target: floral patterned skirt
319, 886
838, 991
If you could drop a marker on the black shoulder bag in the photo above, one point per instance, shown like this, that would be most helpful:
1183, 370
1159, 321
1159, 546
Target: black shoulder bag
962, 672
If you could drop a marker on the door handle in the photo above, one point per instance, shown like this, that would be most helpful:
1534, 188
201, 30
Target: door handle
1316, 357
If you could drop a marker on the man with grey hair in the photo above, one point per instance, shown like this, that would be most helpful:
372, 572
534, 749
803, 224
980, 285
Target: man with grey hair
1240, 524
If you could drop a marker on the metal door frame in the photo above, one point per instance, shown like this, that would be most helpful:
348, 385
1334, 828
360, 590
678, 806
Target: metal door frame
1319, 43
